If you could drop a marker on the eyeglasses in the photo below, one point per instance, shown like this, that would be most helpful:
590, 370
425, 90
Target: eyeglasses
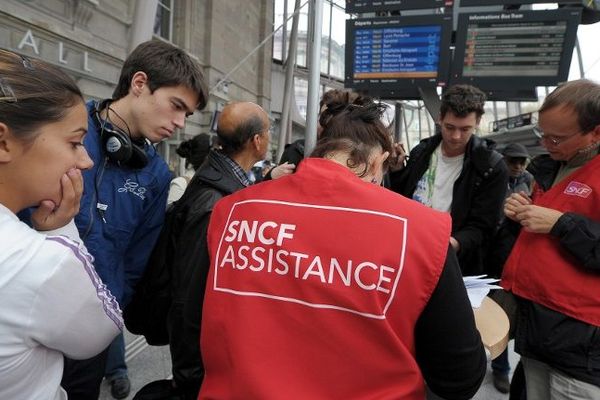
554, 140
267, 131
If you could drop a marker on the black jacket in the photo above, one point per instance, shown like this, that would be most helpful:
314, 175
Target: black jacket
213, 180
567, 344
293, 152
477, 197
446, 312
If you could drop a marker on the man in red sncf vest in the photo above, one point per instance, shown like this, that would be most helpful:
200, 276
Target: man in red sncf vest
554, 266
323, 285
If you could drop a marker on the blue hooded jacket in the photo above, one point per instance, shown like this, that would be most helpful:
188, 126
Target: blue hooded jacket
121, 213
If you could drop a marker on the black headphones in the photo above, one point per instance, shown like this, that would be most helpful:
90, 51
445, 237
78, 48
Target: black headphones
116, 143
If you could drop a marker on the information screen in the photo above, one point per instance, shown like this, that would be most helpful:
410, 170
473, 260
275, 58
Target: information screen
365, 6
531, 48
409, 52
385, 54
514, 49
475, 3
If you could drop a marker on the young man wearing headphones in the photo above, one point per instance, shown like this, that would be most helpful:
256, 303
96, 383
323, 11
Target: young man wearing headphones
125, 193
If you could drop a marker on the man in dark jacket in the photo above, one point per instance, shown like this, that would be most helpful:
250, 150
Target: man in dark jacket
516, 158
554, 267
458, 172
243, 132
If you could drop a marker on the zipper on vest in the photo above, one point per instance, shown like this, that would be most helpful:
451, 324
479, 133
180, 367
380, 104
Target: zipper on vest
94, 202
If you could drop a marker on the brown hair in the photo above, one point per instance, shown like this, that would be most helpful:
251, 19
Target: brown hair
357, 130
462, 100
165, 65
33, 93
581, 95
335, 100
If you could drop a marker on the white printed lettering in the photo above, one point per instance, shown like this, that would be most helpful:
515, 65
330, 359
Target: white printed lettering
229, 257
382, 278
286, 267
261, 232
86, 62
283, 234
29, 40
302, 266
357, 272
315, 264
243, 257
303, 253
232, 231
299, 257
245, 230
258, 259
61, 53
335, 266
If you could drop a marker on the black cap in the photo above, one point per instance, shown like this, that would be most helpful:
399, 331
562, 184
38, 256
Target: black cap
515, 150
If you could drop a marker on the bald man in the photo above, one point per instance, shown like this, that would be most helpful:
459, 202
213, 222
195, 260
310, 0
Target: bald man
243, 133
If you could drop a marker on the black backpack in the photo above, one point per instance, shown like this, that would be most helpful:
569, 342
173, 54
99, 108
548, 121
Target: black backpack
147, 312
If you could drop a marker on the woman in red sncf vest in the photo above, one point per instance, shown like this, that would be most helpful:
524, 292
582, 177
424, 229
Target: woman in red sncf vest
325, 285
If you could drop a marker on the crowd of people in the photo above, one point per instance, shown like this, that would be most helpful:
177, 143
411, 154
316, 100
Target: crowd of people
336, 275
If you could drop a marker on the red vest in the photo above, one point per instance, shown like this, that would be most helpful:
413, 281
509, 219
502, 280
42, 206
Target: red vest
316, 283
540, 269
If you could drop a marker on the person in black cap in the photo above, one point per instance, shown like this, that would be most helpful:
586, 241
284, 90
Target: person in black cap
517, 158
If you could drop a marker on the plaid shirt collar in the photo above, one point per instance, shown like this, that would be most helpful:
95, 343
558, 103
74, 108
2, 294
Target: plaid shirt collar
239, 173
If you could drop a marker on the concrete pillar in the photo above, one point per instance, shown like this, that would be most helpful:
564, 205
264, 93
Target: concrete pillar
314, 81
289, 84
143, 22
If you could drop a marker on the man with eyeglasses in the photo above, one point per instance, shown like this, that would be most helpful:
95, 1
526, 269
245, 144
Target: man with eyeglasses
554, 267
458, 172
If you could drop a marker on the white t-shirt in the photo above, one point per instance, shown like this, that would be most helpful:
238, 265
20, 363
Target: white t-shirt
435, 187
178, 186
52, 302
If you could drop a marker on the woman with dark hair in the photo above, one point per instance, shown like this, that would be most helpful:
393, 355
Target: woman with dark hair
194, 151
325, 285
53, 303
332, 102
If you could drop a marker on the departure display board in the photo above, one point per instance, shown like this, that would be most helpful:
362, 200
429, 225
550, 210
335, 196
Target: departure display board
365, 6
397, 51
514, 49
477, 3
533, 48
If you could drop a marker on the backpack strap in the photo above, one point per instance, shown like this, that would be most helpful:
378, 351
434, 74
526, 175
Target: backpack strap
483, 172
495, 159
